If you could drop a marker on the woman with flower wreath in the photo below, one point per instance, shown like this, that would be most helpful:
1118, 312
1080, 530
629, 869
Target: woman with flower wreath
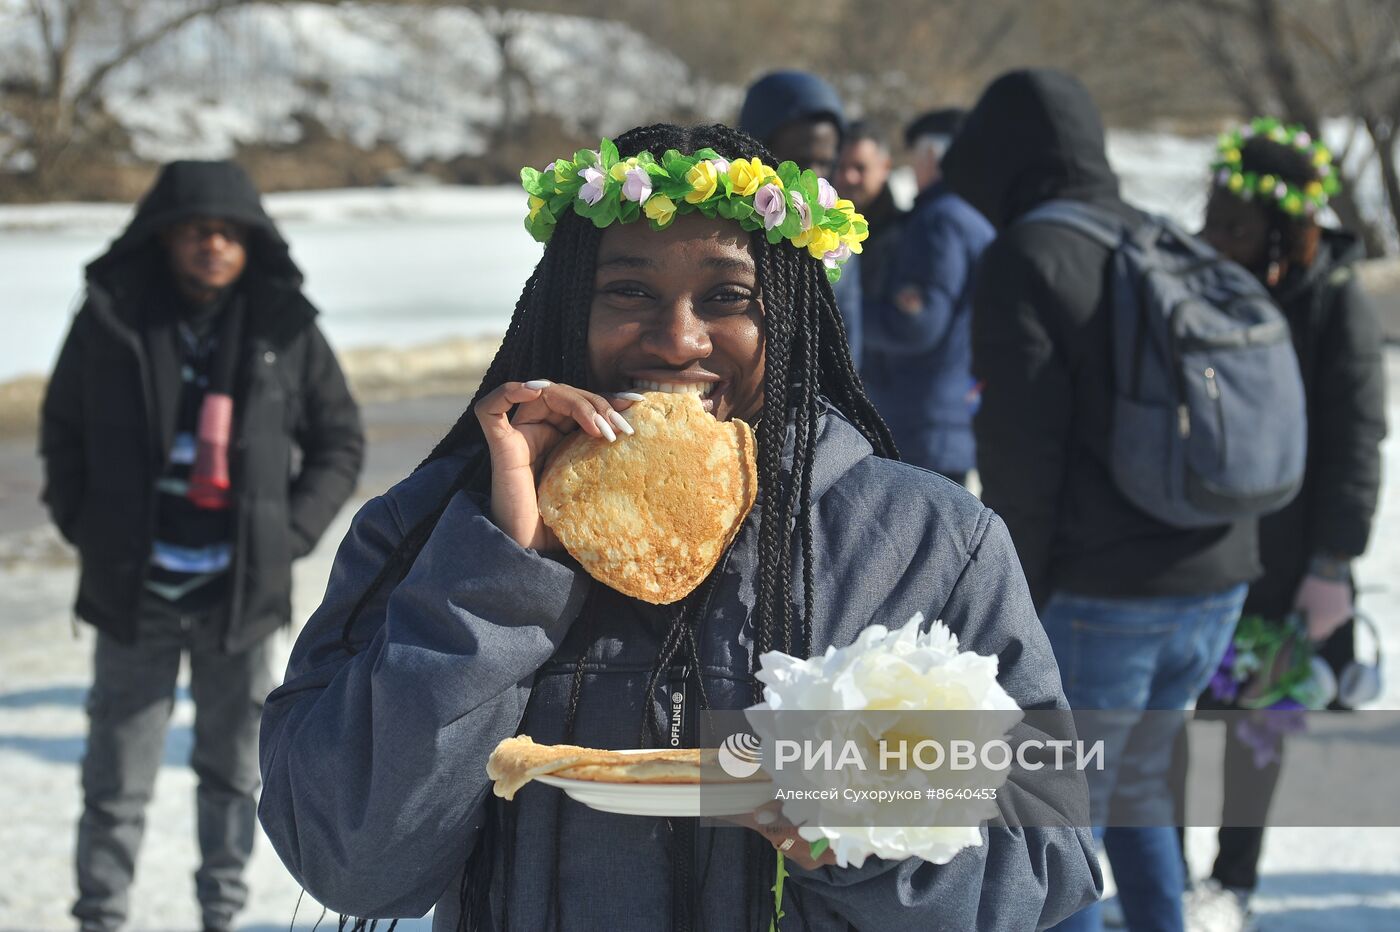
1270, 183
677, 258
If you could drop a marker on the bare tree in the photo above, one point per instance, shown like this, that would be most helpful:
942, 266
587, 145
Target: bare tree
61, 109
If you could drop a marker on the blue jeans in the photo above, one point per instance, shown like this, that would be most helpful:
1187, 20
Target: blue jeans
1131, 655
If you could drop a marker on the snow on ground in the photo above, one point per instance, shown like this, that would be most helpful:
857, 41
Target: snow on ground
385, 266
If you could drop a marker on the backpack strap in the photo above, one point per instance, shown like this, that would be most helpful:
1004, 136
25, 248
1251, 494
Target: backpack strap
1102, 228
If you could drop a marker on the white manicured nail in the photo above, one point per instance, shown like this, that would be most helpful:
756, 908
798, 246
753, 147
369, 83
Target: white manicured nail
605, 427
538, 384
620, 423
630, 396
765, 817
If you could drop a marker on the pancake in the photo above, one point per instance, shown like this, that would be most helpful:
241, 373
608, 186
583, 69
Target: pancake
517, 761
651, 514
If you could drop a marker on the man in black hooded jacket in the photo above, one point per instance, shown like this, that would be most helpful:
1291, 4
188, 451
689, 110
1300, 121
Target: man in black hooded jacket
197, 437
1138, 612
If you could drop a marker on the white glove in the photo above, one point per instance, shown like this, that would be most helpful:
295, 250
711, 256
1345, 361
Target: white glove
1325, 603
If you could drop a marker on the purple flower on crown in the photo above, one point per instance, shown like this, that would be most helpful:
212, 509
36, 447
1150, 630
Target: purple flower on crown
768, 201
826, 194
804, 213
836, 256
637, 186
594, 182
721, 165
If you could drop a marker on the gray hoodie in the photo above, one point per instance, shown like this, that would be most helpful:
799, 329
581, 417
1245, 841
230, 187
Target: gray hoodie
374, 763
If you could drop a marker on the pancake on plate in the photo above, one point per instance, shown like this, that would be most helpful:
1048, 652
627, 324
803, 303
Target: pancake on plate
651, 514
517, 761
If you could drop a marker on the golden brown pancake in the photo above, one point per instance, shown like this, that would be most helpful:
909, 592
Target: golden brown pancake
517, 761
651, 514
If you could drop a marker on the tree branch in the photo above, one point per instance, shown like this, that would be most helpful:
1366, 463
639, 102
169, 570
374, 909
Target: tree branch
93, 83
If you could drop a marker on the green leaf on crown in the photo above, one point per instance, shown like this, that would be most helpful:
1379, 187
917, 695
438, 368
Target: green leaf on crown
534, 182
788, 173
608, 151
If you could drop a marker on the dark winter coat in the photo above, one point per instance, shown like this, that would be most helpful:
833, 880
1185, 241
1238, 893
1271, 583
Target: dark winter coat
1339, 344
1041, 348
374, 762
879, 252
917, 367
109, 415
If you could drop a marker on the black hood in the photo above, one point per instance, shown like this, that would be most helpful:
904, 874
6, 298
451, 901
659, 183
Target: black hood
781, 97
198, 189
1035, 135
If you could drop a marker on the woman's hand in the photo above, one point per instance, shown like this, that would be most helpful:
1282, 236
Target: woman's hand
520, 445
768, 821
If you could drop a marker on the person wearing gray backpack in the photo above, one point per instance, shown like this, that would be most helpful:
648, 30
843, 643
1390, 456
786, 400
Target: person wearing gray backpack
1141, 407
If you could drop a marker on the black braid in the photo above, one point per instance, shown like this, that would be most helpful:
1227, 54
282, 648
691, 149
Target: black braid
807, 363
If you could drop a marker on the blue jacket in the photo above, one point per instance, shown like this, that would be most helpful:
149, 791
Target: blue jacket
917, 362
374, 763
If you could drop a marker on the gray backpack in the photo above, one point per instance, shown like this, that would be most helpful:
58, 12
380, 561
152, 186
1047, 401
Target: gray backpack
1209, 417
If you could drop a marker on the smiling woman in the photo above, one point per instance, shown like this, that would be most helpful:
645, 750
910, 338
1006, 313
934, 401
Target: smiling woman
677, 261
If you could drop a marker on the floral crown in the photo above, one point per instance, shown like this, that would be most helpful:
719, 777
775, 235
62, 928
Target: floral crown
1294, 200
787, 203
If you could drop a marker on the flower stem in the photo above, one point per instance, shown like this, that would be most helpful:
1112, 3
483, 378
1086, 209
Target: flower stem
778, 893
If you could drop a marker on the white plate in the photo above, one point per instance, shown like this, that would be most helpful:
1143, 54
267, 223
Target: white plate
665, 799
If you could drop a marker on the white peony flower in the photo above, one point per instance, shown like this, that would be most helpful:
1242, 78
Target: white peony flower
895, 677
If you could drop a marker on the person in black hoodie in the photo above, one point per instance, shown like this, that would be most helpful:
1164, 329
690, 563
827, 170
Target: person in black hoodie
1138, 612
192, 380
1307, 547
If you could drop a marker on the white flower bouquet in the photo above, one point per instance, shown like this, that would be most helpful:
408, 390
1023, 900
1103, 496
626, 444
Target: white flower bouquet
888, 681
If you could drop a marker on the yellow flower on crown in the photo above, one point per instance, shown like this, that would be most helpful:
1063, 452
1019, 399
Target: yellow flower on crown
822, 242
746, 176
1321, 156
660, 208
703, 179
620, 169
535, 204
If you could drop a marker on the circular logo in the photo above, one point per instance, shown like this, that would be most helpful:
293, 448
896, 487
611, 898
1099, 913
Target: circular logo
739, 755
678, 697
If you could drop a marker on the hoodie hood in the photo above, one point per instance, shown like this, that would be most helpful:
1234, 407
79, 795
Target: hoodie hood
784, 96
198, 189
1034, 136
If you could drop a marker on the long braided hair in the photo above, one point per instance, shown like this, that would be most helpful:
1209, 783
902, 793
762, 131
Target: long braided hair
806, 360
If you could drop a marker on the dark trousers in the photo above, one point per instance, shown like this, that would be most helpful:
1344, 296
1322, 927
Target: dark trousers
1249, 790
129, 707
